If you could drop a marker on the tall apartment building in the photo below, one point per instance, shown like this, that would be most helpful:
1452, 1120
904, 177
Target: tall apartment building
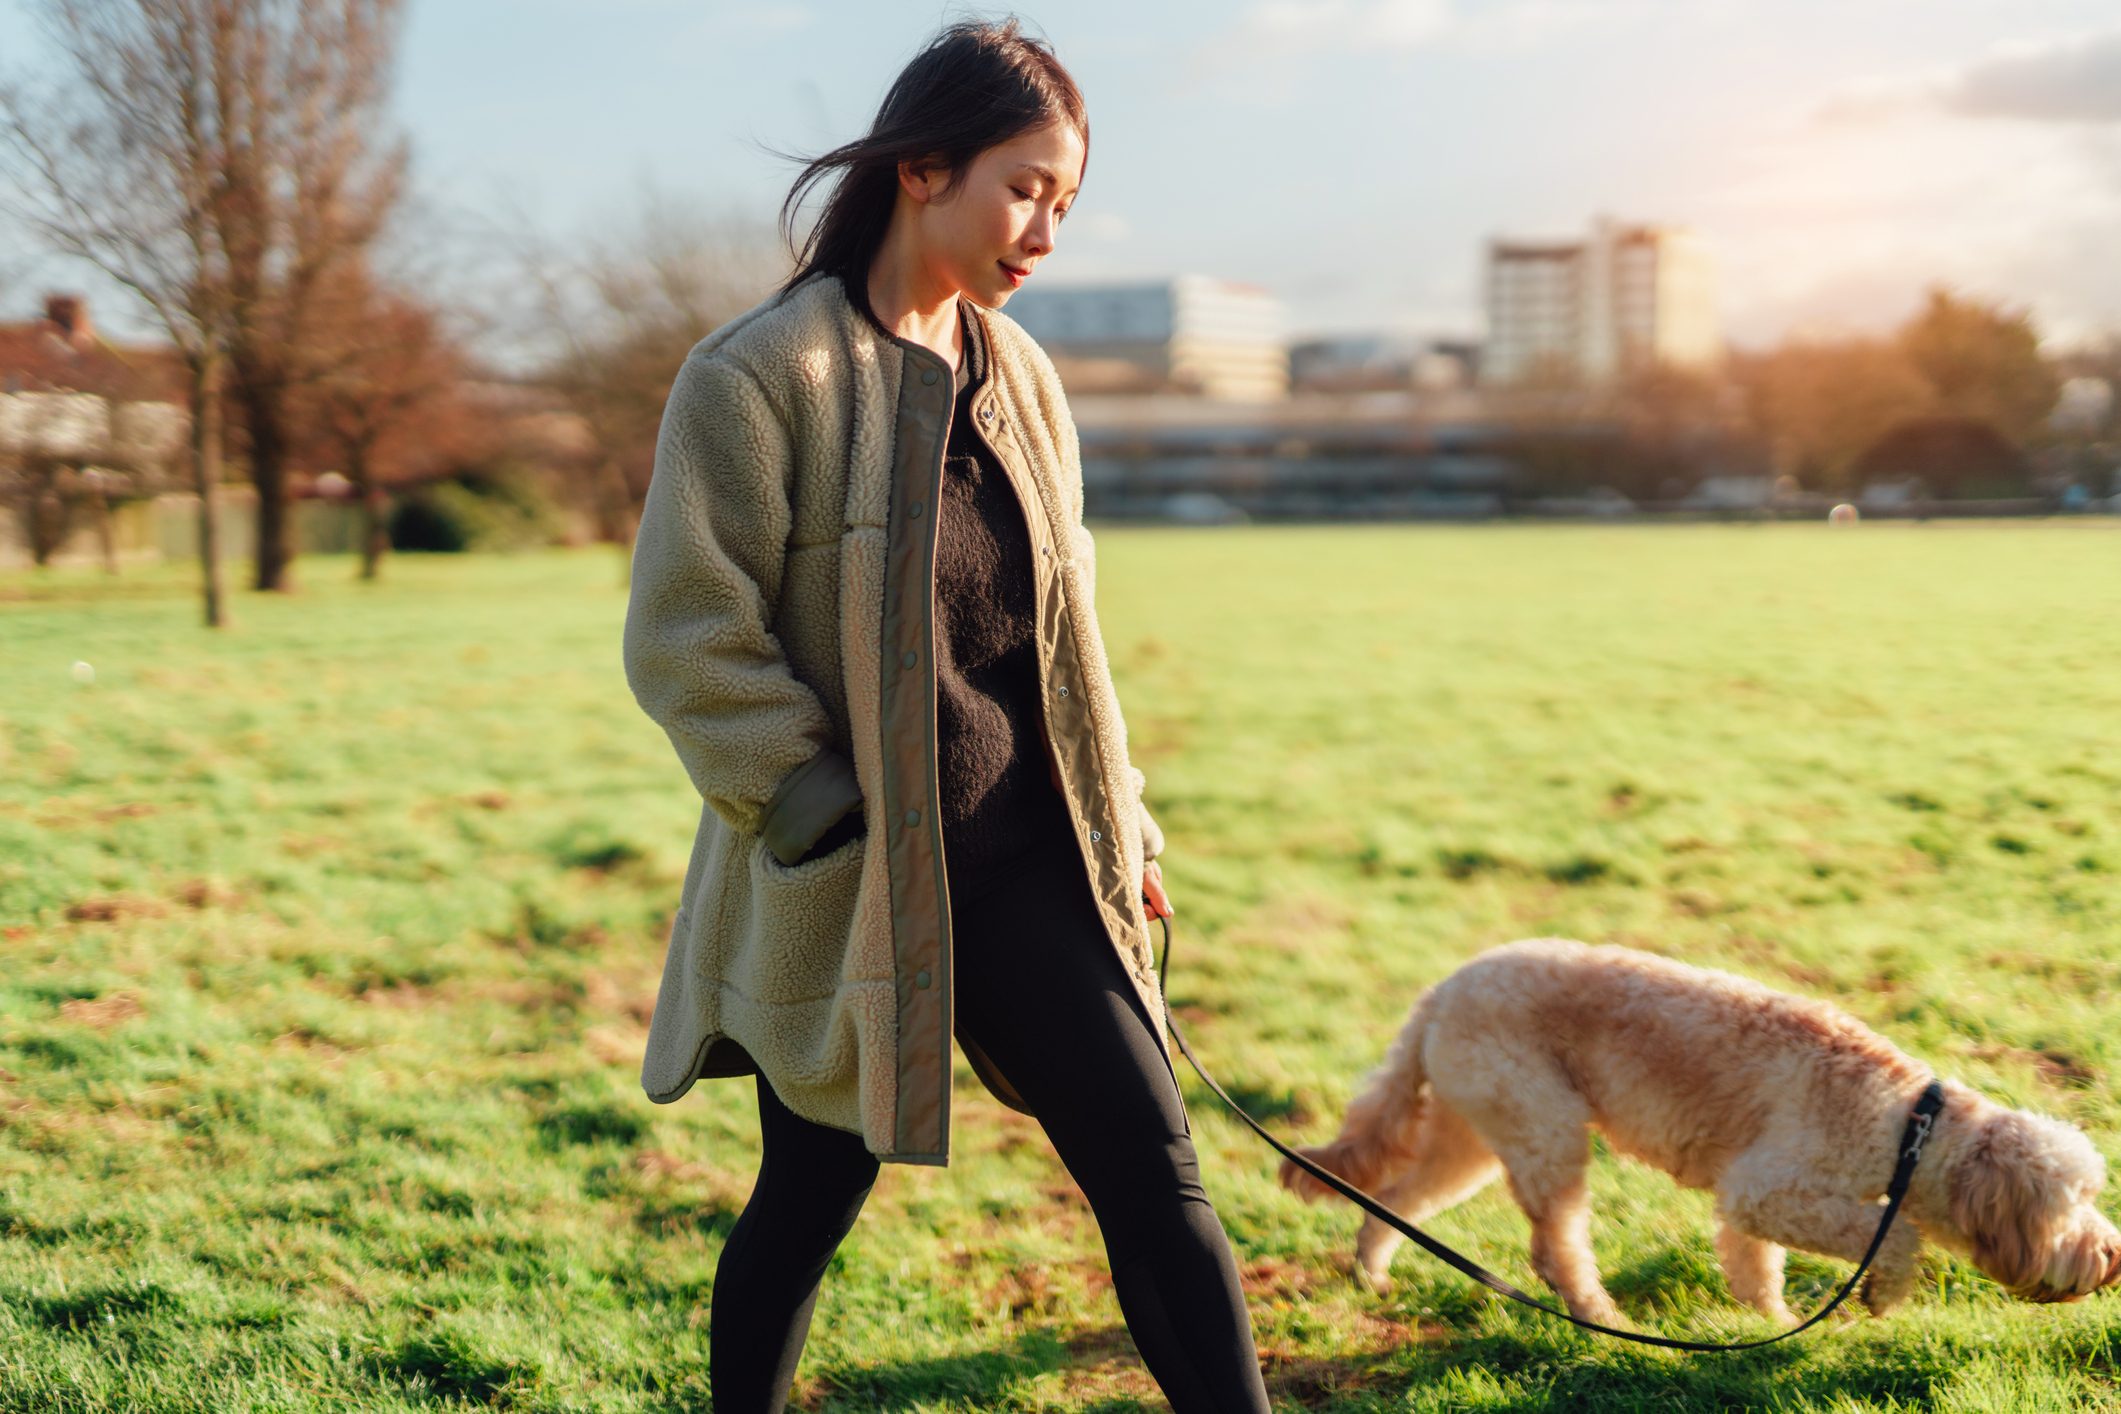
1191, 333
1593, 310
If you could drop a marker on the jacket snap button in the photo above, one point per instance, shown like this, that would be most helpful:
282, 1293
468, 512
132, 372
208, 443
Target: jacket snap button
921, 978
910, 659
987, 414
1048, 549
1064, 692
928, 375
1095, 837
913, 817
914, 510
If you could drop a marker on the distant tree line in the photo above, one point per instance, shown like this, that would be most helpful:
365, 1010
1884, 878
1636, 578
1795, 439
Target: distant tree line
1956, 402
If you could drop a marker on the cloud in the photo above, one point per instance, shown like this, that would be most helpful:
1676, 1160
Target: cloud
2073, 81
2077, 81
1816, 226
1275, 30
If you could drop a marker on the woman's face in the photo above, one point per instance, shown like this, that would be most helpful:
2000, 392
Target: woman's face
987, 233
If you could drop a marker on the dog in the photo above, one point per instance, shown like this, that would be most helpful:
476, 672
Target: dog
1790, 1110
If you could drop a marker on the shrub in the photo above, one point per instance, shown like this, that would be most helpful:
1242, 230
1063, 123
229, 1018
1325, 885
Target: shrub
497, 509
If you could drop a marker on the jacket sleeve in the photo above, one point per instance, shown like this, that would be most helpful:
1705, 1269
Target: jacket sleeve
700, 656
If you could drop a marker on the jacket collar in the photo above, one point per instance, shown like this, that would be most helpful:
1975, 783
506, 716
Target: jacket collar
973, 316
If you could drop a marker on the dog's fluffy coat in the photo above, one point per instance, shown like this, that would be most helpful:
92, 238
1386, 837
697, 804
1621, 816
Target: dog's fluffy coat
1789, 1110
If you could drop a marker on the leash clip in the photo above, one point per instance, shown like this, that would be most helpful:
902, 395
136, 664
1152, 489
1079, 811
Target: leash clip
1922, 1120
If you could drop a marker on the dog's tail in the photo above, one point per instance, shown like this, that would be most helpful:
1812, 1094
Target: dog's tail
1377, 1136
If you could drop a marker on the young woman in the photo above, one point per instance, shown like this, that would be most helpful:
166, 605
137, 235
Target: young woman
862, 610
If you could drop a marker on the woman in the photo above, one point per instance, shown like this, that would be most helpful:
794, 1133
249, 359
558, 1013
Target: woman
862, 610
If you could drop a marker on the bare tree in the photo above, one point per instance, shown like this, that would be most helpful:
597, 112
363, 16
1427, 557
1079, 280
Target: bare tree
386, 400
219, 159
311, 186
118, 163
613, 325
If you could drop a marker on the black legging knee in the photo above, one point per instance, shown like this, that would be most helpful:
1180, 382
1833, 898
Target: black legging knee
1038, 988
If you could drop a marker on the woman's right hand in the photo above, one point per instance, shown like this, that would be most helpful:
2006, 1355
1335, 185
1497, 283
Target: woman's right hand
849, 827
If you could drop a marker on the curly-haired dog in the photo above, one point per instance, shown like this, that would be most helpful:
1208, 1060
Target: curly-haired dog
1790, 1110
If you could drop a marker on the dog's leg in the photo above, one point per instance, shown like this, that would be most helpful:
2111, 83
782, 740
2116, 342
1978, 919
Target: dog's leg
1754, 1270
1773, 1203
1450, 1165
1547, 1179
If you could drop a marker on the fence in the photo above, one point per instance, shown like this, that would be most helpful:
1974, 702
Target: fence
167, 528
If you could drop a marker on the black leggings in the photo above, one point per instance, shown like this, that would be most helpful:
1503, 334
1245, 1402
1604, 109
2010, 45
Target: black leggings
1040, 990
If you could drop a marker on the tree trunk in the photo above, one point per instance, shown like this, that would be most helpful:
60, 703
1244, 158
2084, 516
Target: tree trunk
375, 532
206, 477
48, 514
105, 541
621, 517
268, 472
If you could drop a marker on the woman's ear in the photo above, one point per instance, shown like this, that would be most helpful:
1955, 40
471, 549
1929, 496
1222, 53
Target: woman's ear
2008, 1194
923, 178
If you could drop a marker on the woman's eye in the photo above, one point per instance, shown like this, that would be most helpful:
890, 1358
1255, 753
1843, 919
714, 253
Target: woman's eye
1021, 192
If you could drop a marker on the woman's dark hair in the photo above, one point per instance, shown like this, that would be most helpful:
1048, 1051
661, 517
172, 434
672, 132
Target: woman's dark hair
977, 84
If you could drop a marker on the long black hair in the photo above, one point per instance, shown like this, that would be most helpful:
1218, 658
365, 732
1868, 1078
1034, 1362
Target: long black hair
977, 84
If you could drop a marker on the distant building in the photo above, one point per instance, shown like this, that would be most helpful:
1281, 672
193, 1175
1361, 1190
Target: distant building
88, 430
68, 395
1587, 312
1191, 334
1350, 363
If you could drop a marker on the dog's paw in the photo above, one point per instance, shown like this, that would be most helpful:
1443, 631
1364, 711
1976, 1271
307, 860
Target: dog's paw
1601, 1311
1881, 1294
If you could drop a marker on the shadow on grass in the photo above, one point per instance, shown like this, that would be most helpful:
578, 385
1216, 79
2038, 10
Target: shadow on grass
1101, 1372
1594, 1374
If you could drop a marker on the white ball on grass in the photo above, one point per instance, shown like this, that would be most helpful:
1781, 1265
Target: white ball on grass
84, 673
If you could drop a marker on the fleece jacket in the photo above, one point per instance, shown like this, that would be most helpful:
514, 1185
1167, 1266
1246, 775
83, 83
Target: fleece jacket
781, 629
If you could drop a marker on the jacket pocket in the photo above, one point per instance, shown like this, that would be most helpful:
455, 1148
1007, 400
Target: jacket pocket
793, 945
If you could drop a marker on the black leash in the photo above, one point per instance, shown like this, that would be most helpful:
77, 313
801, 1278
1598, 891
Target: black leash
1919, 1122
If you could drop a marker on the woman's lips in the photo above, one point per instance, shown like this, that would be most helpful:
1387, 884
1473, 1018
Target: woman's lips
1015, 279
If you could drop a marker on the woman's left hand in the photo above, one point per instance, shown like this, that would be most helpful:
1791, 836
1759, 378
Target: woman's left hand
1155, 902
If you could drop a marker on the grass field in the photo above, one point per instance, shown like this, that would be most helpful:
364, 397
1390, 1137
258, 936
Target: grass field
329, 942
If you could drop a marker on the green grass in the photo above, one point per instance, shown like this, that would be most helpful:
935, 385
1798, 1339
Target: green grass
327, 943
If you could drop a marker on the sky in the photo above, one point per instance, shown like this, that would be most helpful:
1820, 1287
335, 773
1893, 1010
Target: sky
1354, 156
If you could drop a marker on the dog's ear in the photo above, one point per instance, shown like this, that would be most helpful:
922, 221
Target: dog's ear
2010, 1193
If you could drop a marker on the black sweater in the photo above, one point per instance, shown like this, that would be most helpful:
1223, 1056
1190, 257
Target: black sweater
997, 792
998, 799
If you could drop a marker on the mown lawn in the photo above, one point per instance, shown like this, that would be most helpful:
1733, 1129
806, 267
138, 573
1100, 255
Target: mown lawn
327, 943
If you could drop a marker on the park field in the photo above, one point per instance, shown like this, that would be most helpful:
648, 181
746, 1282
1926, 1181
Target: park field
327, 945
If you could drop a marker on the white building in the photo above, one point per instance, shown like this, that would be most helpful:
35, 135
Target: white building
1590, 311
1191, 333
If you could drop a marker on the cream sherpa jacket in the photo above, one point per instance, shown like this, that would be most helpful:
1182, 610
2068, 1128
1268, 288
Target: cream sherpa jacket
780, 630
